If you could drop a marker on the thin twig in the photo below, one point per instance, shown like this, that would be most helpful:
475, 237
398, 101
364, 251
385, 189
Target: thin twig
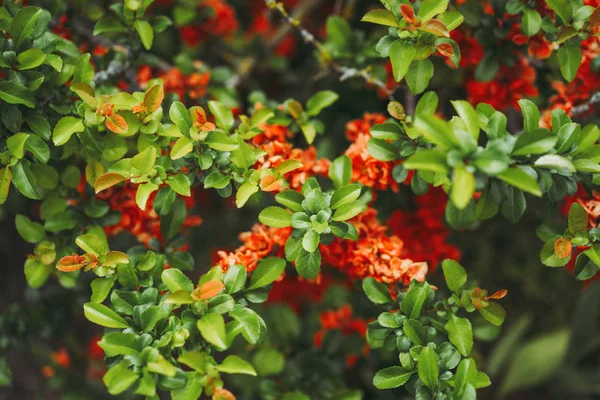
585, 107
346, 72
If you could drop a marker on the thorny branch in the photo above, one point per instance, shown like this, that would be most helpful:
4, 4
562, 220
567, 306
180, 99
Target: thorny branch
345, 72
585, 107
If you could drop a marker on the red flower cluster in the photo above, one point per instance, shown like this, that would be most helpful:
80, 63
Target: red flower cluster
174, 81
585, 84
143, 224
59, 358
262, 27
259, 243
220, 21
471, 52
342, 319
423, 231
366, 169
374, 254
273, 141
509, 86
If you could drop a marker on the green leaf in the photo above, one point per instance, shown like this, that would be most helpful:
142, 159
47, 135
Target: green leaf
427, 104
24, 180
290, 199
348, 211
340, 171
15, 93
435, 131
30, 59
5, 180
569, 59
235, 365
460, 334
531, 22
244, 193
119, 343
32, 232
452, 19
493, 313
36, 273
381, 16
92, 244
220, 141
413, 303
345, 195
578, 218
419, 75
310, 241
562, 8
554, 161
415, 331
216, 180
455, 274
520, 179
235, 278
103, 316
275, 217
267, 271
431, 8
463, 187
144, 29
531, 115
382, 150
100, 289
23, 24
223, 115
535, 141
469, 116
119, 378
550, 259
392, 377
175, 280
108, 25
319, 101
65, 128
427, 366
427, 160
535, 362
308, 264
180, 184
181, 117
253, 326
376, 291
593, 253
144, 161
143, 193
83, 70
402, 55
212, 328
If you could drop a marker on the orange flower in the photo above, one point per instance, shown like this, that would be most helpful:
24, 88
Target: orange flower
144, 224
273, 141
366, 169
260, 242
374, 254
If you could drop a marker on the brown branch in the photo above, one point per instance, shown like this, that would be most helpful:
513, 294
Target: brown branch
344, 71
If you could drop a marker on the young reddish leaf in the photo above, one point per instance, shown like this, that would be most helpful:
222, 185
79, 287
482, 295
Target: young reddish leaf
498, 295
71, 263
562, 248
436, 27
208, 290
117, 124
154, 97
407, 13
107, 180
